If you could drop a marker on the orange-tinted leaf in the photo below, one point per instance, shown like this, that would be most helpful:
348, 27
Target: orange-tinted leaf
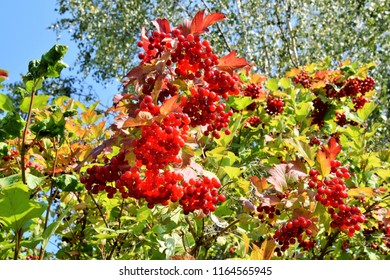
361, 192
171, 105
200, 22
333, 149
142, 118
259, 183
230, 62
293, 72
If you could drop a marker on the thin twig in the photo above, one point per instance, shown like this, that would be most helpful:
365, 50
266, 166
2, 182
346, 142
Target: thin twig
219, 28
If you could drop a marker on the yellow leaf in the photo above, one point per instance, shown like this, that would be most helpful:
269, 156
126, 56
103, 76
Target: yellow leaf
323, 163
293, 72
265, 252
361, 192
246, 242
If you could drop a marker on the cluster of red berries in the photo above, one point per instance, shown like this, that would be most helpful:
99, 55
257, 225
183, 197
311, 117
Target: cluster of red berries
341, 120
332, 194
160, 188
11, 155
319, 112
254, 91
155, 45
304, 79
147, 105
205, 109
292, 232
265, 211
274, 106
179, 56
253, 121
314, 141
201, 193
101, 178
161, 143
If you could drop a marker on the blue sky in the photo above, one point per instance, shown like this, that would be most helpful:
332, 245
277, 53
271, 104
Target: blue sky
25, 36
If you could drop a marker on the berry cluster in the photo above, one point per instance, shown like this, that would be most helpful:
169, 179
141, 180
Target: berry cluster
174, 63
205, 109
161, 143
304, 79
11, 155
101, 178
292, 232
341, 120
274, 106
160, 188
147, 105
266, 210
253, 121
319, 112
254, 91
314, 141
201, 193
332, 194
353, 88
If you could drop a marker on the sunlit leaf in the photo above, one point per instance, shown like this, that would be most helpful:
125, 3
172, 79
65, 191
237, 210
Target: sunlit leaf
200, 22
265, 252
230, 62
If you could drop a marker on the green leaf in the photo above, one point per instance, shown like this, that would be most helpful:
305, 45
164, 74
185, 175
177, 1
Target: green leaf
16, 209
33, 85
366, 110
54, 55
285, 83
232, 172
6, 103
272, 84
240, 102
67, 182
40, 101
302, 111
143, 214
11, 126
31, 180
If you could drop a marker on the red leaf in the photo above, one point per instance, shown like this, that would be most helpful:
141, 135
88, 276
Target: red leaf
230, 62
3, 73
171, 105
333, 149
162, 25
200, 22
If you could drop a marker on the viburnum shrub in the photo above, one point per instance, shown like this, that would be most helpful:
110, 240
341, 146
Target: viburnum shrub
204, 160
180, 85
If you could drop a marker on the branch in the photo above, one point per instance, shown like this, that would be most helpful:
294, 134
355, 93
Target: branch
330, 241
23, 148
219, 28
